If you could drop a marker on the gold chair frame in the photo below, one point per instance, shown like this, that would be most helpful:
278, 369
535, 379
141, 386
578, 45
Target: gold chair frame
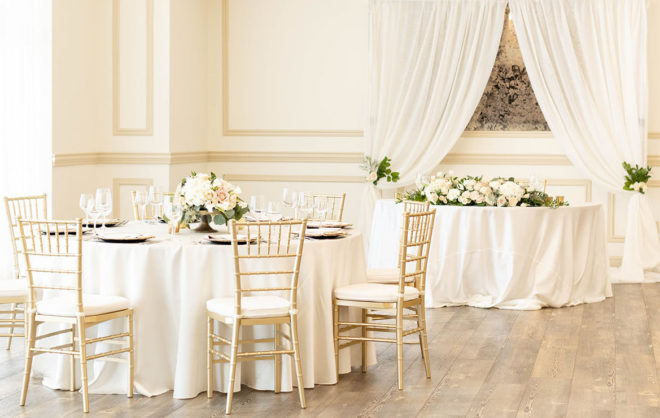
335, 206
19, 207
265, 240
47, 239
417, 232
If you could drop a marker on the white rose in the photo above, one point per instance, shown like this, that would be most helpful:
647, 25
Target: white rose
524, 205
644, 187
636, 186
464, 200
480, 199
474, 195
526, 196
443, 199
453, 194
501, 201
513, 202
484, 190
490, 200
372, 176
495, 185
433, 197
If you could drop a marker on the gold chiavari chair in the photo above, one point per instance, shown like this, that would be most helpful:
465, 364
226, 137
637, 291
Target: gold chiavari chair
391, 275
15, 292
53, 262
401, 301
335, 206
263, 242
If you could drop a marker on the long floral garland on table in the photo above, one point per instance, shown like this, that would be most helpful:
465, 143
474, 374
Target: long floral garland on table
447, 189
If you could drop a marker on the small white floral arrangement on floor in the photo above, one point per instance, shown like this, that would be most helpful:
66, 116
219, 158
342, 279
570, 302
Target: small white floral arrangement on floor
447, 189
377, 170
637, 178
202, 194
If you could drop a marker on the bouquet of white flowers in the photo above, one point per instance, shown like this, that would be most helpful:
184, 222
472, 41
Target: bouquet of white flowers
202, 195
446, 189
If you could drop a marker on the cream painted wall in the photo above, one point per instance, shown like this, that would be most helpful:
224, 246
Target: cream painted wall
268, 94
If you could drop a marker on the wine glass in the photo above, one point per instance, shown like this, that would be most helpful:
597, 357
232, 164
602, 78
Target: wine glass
303, 206
87, 205
321, 206
174, 212
141, 200
94, 214
257, 204
273, 212
288, 197
103, 203
155, 199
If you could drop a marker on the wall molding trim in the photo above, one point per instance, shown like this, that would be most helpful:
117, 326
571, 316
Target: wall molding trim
118, 182
654, 135
293, 178
505, 159
148, 130
227, 131
587, 184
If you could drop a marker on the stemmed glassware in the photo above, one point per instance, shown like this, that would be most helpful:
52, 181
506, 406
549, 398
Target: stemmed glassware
273, 213
87, 205
103, 203
174, 212
321, 206
291, 200
304, 207
257, 204
155, 199
141, 200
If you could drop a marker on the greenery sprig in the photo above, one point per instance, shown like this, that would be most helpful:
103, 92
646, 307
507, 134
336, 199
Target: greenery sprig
637, 178
377, 170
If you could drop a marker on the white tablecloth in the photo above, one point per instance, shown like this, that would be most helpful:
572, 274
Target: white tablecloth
168, 284
515, 258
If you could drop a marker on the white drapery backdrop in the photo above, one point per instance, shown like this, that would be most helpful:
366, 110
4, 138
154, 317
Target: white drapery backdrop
25, 107
586, 61
429, 64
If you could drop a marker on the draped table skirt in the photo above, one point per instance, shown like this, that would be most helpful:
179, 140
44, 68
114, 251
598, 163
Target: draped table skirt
168, 284
512, 258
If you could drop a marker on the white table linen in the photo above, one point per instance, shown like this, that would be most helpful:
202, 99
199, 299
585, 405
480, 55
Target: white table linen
168, 284
513, 258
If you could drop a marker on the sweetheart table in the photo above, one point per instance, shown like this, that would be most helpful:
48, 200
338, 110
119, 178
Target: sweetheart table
513, 258
168, 284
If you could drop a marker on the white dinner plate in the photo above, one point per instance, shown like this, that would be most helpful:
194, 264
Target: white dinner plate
109, 223
123, 237
325, 233
226, 238
327, 224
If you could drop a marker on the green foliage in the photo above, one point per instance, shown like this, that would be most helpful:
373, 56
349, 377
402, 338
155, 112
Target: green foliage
636, 175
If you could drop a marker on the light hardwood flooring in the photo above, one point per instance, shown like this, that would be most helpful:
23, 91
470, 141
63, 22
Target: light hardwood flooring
598, 359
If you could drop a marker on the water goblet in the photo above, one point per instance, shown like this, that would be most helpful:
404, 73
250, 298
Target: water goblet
321, 206
103, 203
87, 205
174, 212
156, 200
141, 200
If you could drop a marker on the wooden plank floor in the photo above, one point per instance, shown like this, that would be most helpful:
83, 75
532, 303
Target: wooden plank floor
598, 359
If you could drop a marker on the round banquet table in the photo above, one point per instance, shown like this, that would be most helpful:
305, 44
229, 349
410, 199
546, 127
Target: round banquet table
513, 258
168, 284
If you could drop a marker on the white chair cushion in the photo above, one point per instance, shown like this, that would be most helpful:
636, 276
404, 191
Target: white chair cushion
374, 292
386, 276
251, 306
13, 288
92, 305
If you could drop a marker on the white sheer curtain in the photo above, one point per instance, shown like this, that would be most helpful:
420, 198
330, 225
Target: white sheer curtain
429, 64
586, 61
25, 106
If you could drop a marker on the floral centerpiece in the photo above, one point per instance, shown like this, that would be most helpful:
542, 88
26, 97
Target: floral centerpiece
377, 170
208, 198
637, 178
447, 189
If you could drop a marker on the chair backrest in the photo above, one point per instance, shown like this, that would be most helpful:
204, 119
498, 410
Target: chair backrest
412, 206
260, 243
335, 206
53, 258
415, 245
33, 207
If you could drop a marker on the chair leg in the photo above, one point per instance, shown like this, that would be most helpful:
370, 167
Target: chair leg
423, 340
365, 319
335, 329
296, 355
131, 356
209, 357
399, 342
31, 333
232, 364
11, 329
72, 360
278, 360
82, 343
